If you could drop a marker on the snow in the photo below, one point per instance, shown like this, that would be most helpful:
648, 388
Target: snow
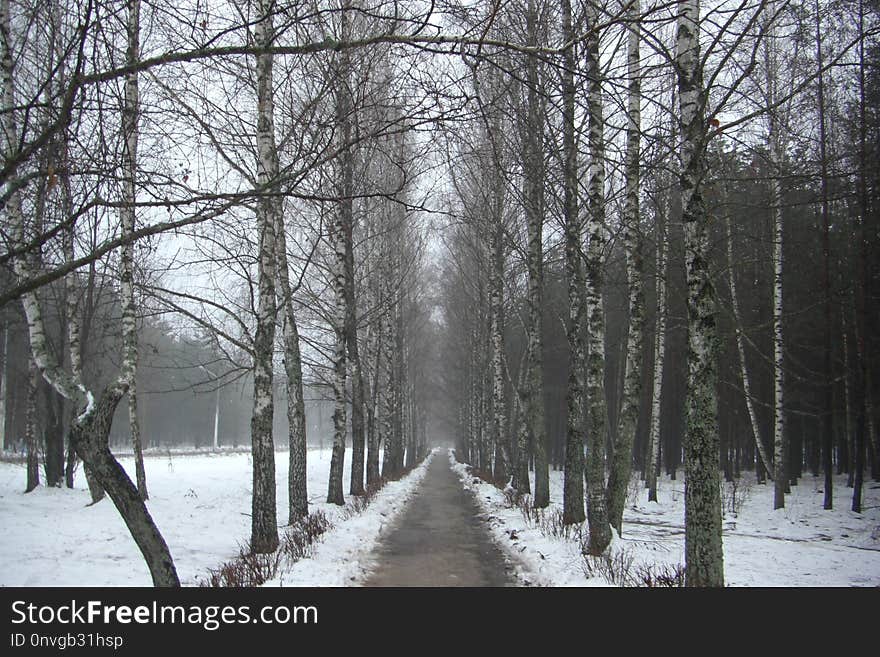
344, 557
800, 545
90, 405
201, 504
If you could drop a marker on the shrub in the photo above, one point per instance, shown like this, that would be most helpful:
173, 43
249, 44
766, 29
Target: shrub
660, 575
615, 566
247, 570
734, 494
250, 569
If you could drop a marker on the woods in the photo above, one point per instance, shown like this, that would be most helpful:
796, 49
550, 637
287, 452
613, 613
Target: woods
617, 239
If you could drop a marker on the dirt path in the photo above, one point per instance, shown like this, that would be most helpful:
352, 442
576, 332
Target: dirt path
439, 539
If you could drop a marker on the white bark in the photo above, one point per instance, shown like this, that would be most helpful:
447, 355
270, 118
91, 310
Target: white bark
659, 357
128, 373
703, 551
534, 172
597, 512
621, 467
298, 501
573, 483
339, 226
740, 348
264, 526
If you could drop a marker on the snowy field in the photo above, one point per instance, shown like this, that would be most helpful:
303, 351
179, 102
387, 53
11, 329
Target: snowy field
201, 504
800, 545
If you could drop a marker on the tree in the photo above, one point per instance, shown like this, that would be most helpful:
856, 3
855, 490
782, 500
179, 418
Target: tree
703, 553
264, 527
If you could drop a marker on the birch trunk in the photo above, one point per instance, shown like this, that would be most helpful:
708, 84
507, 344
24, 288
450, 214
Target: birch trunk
387, 389
863, 408
374, 357
741, 352
847, 404
828, 392
534, 172
703, 551
4, 384
778, 350
653, 468
264, 524
30, 430
135, 428
573, 483
621, 464
496, 318
399, 378
341, 223
297, 489
597, 512
776, 154
358, 397
127, 217
520, 481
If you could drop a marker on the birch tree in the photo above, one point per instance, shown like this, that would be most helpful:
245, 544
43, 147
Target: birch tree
597, 511
130, 112
573, 485
89, 432
341, 223
653, 465
621, 466
297, 488
534, 210
703, 553
264, 524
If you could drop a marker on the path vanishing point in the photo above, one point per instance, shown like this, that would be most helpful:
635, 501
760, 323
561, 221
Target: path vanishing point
440, 539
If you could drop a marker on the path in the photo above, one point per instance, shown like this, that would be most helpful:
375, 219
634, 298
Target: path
439, 540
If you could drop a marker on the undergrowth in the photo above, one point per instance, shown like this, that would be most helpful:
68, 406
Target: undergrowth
250, 569
254, 569
618, 567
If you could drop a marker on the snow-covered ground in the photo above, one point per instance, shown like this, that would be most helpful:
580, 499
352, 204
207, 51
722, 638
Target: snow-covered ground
800, 545
201, 504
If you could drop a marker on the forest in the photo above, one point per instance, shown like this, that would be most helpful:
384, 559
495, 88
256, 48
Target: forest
627, 241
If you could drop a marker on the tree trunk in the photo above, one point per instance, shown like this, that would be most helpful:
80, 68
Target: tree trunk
864, 289
597, 512
653, 468
264, 523
740, 348
621, 465
703, 551
89, 436
573, 483
496, 323
130, 111
358, 398
140, 473
390, 383
54, 438
4, 385
374, 357
534, 172
30, 430
341, 223
298, 500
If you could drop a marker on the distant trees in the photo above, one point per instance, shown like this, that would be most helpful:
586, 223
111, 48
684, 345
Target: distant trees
716, 315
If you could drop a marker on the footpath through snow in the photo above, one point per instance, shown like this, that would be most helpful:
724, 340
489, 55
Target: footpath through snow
439, 540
